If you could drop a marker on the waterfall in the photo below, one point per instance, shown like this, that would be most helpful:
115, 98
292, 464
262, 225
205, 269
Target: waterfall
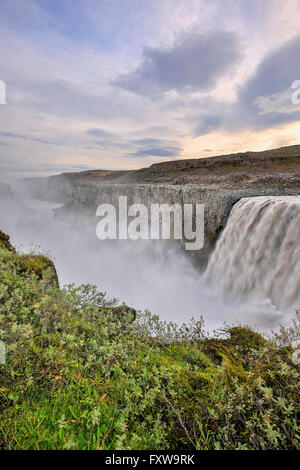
253, 275
258, 253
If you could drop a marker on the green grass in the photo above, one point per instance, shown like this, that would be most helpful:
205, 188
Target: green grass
79, 375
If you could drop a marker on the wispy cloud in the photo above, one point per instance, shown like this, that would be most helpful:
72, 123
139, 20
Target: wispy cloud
29, 138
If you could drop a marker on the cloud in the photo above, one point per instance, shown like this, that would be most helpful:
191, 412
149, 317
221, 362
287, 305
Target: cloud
31, 139
208, 123
275, 73
149, 141
194, 63
156, 152
99, 133
263, 101
150, 147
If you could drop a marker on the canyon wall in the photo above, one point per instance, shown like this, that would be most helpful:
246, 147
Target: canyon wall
85, 198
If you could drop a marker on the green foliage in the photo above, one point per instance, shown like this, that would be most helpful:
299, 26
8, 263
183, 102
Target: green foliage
82, 373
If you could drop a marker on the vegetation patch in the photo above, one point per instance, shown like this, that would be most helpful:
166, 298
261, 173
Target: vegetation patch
83, 372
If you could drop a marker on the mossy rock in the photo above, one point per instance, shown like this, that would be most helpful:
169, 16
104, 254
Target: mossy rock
216, 349
240, 341
42, 266
121, 313
245, 337
5, 243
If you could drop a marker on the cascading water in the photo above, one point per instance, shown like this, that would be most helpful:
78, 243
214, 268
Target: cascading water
258, 254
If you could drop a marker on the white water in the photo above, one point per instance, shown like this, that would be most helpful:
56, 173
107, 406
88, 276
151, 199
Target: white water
237, 287
258, 254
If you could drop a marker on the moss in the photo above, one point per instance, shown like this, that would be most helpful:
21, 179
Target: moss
241, 340
246, 338
191, 355
36, 263
216, 349
42, 266
5, 243
231, 355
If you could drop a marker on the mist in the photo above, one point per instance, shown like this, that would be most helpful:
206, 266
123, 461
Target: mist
152, 275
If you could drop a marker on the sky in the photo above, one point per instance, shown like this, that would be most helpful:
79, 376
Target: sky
123, 84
